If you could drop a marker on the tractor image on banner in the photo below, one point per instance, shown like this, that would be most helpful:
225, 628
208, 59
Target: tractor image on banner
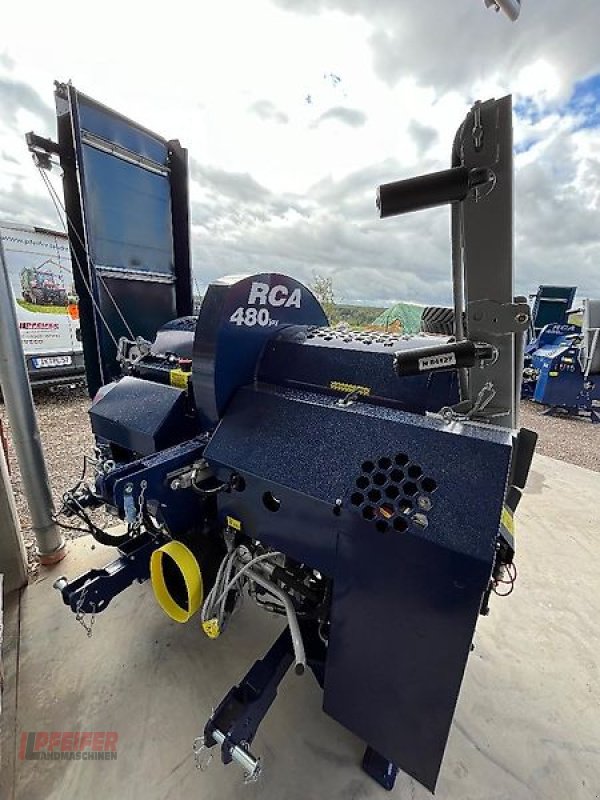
39, 266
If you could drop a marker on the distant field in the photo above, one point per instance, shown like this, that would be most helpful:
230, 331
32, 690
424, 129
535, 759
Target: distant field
356, 315
42, 309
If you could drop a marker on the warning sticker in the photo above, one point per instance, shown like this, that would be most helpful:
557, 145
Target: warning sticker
349, 388
508, 520
179, 378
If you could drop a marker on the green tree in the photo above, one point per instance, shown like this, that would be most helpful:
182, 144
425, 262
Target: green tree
322, 288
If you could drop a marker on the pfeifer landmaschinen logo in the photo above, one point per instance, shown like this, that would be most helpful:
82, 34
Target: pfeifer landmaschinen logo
68, 746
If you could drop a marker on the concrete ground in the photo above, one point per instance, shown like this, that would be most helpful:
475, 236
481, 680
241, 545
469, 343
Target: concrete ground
527, 724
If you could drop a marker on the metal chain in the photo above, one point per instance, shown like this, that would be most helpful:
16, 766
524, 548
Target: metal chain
484, 398
140, 514
202, 754
59, 206
81, 615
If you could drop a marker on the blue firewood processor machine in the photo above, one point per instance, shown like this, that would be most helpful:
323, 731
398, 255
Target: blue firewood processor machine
562, 366
361, 485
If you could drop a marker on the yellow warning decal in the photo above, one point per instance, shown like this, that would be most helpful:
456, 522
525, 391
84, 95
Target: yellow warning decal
349, 388
211, 628
508, 520
234, 523
178, 378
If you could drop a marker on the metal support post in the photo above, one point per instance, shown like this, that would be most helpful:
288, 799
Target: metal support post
13, 561
15, 386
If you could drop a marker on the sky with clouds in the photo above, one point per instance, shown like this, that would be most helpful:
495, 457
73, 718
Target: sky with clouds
293, 112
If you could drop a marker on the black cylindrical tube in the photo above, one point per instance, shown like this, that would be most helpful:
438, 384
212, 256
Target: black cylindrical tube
425, 191
436, 358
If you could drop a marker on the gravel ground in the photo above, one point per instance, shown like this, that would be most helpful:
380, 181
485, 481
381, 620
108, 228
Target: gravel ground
66, 436
576, 441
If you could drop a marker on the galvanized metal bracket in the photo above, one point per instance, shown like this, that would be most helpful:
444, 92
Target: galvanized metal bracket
499, 318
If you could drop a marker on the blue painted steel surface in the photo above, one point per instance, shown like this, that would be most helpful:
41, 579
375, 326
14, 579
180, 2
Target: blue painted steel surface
115, 128
401, 597
550, 336
93, 591
129, 229
400, 510
405, 604
142, 416
551, 305
335, 360
236, 320
244, 707
126, 217
179, 510
559, 381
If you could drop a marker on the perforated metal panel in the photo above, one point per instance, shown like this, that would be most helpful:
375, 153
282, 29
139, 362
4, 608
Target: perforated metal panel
394, 493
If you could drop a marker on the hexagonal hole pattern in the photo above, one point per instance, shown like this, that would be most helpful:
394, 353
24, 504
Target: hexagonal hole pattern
428, 485
394, 493
400, 525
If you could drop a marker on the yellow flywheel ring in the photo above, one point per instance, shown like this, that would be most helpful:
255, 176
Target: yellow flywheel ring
188, 566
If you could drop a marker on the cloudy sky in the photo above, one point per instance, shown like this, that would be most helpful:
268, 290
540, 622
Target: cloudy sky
293, 111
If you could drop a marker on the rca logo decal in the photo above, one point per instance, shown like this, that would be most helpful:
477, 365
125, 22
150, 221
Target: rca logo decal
261, 294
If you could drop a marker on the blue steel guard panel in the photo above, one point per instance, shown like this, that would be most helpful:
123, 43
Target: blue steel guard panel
349, 362
551, 305
237, 318
126, 197
402, 511
142, 417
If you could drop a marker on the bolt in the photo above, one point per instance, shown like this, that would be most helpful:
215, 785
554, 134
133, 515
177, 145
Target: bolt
175, 484
424, 503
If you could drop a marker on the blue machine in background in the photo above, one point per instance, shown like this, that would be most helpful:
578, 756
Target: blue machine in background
562, 367
361, 485
562, 360
551, 305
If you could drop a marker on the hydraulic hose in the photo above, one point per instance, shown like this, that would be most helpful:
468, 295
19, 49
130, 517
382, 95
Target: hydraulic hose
297, 643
